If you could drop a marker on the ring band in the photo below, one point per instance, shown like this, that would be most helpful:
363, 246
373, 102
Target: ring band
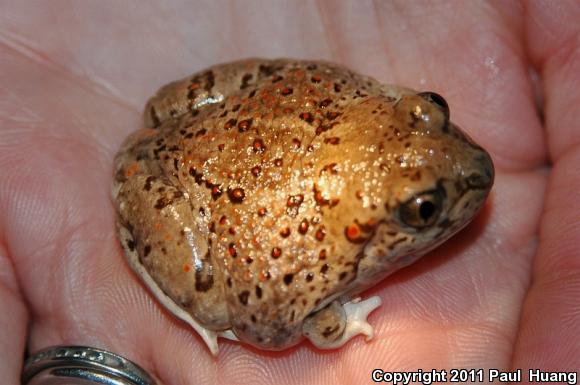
83, 365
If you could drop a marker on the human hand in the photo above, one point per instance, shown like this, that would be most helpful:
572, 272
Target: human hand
502, 294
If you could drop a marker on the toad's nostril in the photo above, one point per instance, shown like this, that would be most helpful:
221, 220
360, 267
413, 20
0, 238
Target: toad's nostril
476, 181
484, 179
488, 169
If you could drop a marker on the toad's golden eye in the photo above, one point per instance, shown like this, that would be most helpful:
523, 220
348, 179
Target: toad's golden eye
422, 210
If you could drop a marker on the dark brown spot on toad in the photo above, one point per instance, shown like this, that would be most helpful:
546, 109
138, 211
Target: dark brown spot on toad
162, 202
276, 252
258, 145
266, 70
288, 279
324, 103
230, 124
243, 297
352, 233
333, 140
392, 245
130, 244
198, 177
246, 80
295, 200
244, 125
320, 233
256, 170
236, 195
149, 183
216, 192
325, 127
331, 168
232, 250
303, 227
331, 115
307, 117
321, 200
285, 232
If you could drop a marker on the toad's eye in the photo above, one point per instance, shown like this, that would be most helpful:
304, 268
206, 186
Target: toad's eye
422, 210
438, 100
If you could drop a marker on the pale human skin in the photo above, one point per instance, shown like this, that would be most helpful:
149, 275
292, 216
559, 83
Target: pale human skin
75, 77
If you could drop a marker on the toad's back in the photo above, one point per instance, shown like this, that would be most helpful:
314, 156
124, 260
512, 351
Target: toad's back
265, 190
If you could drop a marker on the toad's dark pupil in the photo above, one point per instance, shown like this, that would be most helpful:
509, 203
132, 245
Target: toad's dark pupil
426, 210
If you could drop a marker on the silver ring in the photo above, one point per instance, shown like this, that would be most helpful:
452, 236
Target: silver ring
82, 365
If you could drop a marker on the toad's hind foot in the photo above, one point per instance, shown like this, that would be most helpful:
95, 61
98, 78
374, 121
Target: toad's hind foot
336, 324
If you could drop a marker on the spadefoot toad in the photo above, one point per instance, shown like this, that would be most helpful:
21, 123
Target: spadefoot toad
263, 196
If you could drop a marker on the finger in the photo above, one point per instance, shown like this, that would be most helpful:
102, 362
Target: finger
552, 41
550, 322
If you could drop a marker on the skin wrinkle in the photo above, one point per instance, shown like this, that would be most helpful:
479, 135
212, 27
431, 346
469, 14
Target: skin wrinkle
380, 22
32, 54
560, 148
414, 35
538, 59
332, 43
8, 281
52, 133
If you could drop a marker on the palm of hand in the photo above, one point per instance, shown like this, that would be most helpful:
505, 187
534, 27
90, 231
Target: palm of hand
498, 295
